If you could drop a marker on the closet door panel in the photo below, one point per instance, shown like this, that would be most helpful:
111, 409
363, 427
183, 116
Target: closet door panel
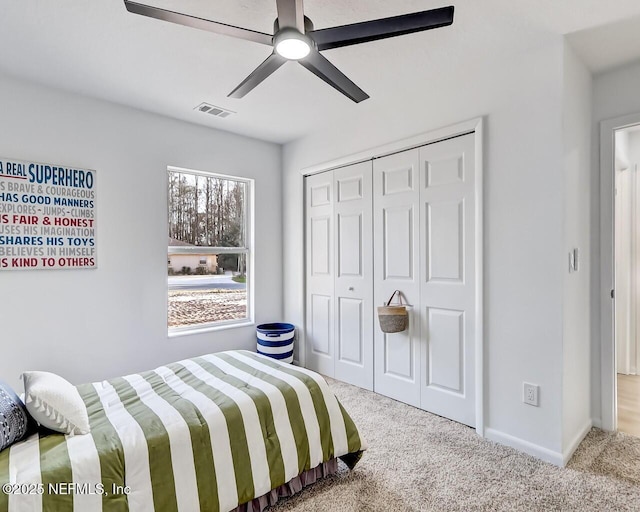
350, 249
320, 316
398, 224
320, 270
396, 260
354, 274
351, 331
399, 351
320, 231
445, 349
444, 224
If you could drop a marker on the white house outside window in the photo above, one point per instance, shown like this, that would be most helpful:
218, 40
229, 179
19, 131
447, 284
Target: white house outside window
208, 250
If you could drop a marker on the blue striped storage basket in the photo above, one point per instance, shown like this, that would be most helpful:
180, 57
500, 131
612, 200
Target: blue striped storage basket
276, 340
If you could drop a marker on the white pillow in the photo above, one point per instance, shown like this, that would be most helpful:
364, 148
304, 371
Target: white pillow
55, 403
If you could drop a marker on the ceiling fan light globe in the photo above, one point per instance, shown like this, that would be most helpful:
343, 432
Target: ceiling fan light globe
292, 48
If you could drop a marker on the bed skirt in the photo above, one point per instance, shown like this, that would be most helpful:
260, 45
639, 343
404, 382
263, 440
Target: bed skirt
293, 486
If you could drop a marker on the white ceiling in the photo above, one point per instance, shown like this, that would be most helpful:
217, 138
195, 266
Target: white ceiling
97, 48
609, 45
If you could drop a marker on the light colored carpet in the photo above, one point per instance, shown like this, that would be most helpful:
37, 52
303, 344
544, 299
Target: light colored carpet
417, 461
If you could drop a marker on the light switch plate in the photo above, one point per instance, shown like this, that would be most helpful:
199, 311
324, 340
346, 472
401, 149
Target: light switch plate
573, 260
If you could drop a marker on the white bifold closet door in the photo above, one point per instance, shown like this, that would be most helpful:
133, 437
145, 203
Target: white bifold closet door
404, 222
320, 278
448, 278
339, 334
424, 246
396, 221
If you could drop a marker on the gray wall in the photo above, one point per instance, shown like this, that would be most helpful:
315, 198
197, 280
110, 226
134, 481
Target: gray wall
576, 376
524, 251
91, 324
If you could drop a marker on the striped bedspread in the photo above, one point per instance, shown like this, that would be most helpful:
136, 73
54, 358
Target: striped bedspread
205, 434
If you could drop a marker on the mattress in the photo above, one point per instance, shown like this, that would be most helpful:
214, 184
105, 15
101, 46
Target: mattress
207, 433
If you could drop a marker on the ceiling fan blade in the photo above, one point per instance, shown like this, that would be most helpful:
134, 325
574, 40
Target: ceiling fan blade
345, 35
192, 21
322, 68
290, 14
273, 62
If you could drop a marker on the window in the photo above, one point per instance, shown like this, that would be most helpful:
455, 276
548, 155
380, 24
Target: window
208, 250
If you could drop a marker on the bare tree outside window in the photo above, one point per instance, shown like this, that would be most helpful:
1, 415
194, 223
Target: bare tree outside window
207, 249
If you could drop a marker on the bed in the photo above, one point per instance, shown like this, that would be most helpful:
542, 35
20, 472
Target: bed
219, 432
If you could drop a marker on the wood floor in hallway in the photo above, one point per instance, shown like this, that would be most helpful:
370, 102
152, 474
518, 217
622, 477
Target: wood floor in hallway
629, 404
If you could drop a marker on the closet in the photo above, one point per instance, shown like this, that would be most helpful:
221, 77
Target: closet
405, 221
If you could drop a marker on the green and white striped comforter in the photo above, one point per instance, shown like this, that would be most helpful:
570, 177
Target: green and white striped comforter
205, 434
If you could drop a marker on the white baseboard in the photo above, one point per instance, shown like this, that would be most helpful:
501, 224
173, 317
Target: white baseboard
568, 453
557, 458
596, 422
525, 446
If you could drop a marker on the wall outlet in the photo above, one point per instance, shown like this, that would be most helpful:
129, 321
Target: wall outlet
530, 393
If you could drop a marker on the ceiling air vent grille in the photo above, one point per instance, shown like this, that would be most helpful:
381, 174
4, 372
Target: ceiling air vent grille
212, 110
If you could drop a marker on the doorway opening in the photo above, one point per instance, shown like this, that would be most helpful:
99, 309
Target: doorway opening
608, 351
627, 277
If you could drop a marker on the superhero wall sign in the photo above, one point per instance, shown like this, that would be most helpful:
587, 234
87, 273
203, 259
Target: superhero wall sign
47, 216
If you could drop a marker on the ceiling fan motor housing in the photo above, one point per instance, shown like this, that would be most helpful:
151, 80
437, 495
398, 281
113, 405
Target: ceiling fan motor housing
308, 25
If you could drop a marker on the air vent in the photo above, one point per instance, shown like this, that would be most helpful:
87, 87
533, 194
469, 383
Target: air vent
212, 110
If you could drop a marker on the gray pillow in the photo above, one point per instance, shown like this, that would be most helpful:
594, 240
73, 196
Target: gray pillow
14, 419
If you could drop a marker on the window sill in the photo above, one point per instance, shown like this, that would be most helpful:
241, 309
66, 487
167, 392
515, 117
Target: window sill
177, 333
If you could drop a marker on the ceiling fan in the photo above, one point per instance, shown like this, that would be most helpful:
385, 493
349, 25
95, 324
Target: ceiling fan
295, 39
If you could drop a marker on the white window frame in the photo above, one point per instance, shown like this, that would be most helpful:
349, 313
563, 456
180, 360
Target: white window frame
246, 250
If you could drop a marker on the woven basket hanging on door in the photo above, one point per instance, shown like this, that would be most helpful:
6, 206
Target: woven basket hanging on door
393, 318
